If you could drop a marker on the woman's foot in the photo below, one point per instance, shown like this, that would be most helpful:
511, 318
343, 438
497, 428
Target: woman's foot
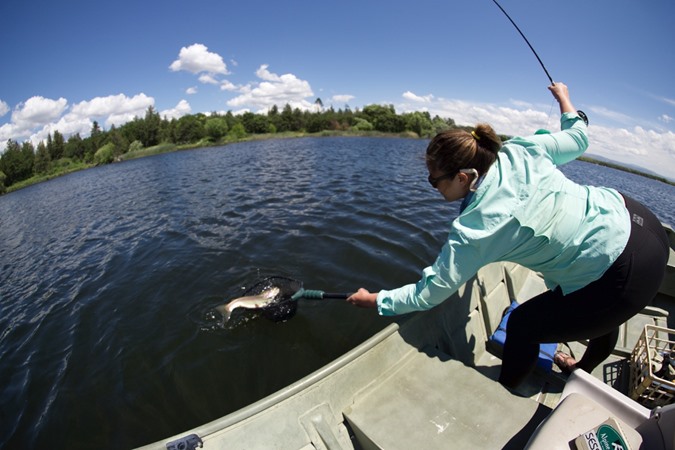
565, 362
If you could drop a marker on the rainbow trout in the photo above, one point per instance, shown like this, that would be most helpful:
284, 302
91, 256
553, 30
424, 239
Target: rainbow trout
261, 300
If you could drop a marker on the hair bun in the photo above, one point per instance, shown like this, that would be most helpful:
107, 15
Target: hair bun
487, 138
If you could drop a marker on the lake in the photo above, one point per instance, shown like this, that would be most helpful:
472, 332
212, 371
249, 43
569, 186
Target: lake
107, 275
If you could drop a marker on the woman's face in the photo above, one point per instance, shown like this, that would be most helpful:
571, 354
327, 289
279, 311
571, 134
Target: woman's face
451, 188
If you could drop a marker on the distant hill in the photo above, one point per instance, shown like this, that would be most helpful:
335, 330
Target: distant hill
597, 159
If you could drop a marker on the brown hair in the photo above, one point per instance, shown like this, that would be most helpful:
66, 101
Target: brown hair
453, 150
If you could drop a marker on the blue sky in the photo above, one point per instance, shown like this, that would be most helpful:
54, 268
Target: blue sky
67, 63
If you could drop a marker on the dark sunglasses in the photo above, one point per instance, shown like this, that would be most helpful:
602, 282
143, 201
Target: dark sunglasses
434, 181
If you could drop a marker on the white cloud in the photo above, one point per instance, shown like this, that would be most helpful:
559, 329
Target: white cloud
4, 108
416, 98
342, 98
191, 90
653, 150
274, 90
115, 109
266, 75
197, 59
181, 109
37, 111
611, 115
37, 117
665, 118
226, 85
207, 78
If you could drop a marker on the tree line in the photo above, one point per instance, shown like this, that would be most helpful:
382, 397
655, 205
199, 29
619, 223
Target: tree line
56, 155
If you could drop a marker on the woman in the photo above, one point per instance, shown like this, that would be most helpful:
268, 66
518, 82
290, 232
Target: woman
602, 255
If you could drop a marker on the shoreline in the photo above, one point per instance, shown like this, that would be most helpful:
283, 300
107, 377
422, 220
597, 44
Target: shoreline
169, 148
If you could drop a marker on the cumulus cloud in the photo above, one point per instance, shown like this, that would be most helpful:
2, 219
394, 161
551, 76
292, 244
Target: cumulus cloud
416, 98
37, 111
197, 58
38, 117
226, 85
665, 118
611, 115
4, 108
207, 78
273, 90
114, 109
342, 98
651, 149
181, 109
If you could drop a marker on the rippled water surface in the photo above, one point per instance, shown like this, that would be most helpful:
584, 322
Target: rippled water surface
106, 275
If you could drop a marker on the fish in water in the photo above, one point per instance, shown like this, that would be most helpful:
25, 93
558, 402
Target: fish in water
262, 300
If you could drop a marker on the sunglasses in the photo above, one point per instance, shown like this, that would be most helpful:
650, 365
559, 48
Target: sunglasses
434, 181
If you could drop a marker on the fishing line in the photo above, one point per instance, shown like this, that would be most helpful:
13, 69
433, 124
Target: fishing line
528, 42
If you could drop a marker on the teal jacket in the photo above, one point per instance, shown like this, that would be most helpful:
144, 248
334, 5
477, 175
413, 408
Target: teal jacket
526, 211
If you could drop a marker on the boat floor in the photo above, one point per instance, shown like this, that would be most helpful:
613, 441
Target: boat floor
432, 401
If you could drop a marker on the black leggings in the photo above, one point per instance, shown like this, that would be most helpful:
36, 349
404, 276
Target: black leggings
595, 311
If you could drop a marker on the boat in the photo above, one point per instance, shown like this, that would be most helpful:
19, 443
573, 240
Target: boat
429, 381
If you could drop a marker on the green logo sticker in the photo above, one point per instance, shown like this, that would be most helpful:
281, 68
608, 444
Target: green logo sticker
610, 439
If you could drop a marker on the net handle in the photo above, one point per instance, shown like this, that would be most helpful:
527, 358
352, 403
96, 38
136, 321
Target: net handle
311, 294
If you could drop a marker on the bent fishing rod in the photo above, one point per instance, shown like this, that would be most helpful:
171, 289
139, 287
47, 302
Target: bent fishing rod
528, 42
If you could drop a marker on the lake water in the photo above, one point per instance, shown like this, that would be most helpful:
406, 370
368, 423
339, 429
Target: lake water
106, 275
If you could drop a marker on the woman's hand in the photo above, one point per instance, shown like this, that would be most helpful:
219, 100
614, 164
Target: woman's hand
363, 299
562, 95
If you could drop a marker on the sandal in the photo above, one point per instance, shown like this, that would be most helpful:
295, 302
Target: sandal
565, 362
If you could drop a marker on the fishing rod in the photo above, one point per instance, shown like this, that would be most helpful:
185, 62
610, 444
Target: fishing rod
528, 42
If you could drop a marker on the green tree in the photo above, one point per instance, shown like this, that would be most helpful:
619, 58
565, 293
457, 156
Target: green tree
56, 145
419, 122
189, 129
384, 118
42, 159
287, 120
119, 142
215, 127
96, 137
151, 128
255, 123
15, 164
440, 125
105, 154
28, 156
362, 125
237, 132
75, 147
3, 177
135, 146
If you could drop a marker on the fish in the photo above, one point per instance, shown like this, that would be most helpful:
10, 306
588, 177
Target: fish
265, 298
